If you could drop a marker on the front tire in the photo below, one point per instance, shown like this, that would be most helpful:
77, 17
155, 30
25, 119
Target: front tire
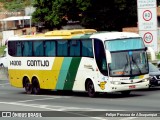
90, 89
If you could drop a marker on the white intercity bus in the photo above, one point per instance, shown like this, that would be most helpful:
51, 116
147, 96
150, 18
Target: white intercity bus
78, 60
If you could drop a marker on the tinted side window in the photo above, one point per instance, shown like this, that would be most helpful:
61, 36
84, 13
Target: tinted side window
12, 48
18, 49
100, 56
62, 48
15, 48
27, 48
38, 48
50, 48
87, 50
74, 48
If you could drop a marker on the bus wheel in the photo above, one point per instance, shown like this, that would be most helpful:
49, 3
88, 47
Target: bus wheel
27, 86
126, 93
90, 89
35, 86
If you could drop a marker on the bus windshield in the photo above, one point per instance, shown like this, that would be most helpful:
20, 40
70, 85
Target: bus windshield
128, 57
124, 44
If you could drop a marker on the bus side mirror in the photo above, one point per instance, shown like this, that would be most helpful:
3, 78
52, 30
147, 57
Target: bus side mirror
152, 53
146, 48
108, 56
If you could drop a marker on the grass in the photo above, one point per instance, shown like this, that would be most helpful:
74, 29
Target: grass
2, 49
158, 56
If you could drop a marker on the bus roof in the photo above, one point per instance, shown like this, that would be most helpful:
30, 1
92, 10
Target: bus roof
56, 34
77, 33
113, 35
69, 32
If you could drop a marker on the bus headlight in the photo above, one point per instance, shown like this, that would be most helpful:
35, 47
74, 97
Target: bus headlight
116, 82
145, 80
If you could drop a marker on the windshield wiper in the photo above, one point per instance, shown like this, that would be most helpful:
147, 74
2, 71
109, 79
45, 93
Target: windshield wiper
125, 66
136, 65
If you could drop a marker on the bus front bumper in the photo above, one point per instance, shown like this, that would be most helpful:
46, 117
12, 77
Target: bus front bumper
125, 87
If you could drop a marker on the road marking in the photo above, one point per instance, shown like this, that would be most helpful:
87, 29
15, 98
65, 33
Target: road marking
40, 99
128, 118
48, 96
4, 84
99, 118
47, 108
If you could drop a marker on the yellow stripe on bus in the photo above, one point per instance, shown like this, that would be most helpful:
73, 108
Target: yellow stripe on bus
56, 70
50, 77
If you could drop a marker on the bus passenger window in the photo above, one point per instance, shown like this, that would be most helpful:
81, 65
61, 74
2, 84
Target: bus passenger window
87, 50
12, 48
50, 48
62, 48
27, 48
19, 49
38, 48
75, 48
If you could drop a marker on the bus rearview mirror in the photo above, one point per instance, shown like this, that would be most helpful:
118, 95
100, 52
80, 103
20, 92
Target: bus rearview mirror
152, 53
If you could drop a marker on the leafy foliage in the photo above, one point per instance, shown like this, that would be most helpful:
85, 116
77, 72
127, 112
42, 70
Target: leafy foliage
15, 5
110, 14
2, 50
98, 14
101, 15
56, 13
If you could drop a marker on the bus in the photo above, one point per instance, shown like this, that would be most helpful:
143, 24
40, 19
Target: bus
78, 60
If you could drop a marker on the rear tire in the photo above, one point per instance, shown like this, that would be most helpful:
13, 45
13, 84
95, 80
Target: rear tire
35, 87
90, 89
27, 86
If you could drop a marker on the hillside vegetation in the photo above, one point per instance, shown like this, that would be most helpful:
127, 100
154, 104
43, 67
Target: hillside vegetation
15, 5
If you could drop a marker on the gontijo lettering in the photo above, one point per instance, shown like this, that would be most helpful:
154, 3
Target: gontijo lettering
38, 63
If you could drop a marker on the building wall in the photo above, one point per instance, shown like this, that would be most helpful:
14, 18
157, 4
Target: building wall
130, 29
6, 34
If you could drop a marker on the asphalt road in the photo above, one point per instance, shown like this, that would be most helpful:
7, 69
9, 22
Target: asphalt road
74, 105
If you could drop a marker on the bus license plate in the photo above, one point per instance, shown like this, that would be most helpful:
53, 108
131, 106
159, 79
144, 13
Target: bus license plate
132, 86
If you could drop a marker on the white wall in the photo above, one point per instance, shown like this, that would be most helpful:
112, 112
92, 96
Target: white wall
6, 35
29, 10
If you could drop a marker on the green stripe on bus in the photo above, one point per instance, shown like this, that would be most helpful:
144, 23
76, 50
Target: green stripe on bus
86, 36
137, 77
78, 36
72, 73
63, 73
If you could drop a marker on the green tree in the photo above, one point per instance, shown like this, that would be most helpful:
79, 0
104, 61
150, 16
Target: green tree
111, 14
98, 14
55, 13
